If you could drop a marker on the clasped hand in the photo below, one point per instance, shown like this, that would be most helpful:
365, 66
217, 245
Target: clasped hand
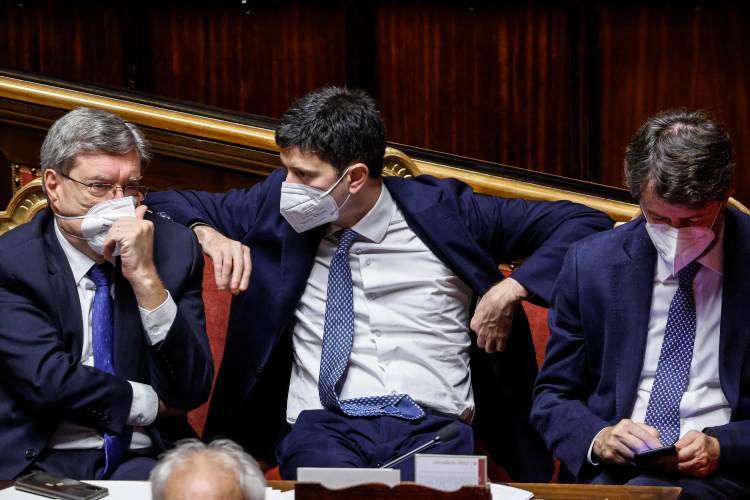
135, 235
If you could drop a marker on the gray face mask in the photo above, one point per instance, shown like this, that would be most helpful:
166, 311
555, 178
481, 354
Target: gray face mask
98, 220
306, 207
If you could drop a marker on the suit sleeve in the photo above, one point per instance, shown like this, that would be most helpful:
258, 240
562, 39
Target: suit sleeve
734, 443
559, 412
36, 368
181, 367
540, 232
232, 213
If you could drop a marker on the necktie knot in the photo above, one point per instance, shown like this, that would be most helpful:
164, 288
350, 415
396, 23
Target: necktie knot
99, 274
686, 275
346, 240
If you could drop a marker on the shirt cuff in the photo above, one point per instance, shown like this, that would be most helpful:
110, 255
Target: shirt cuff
590, 455
145, 405
157, 322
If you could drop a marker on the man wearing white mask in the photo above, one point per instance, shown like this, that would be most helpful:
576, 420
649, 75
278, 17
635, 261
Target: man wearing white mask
102, 330
649, 344
355, 328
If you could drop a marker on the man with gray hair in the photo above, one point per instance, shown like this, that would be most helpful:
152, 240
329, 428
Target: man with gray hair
219, 470
103, 329
647, 375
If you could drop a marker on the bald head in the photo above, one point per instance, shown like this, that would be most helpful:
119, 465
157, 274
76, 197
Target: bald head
218, 471
203, 477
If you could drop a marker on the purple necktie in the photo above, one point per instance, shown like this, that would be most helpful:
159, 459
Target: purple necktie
102, 328
673, 370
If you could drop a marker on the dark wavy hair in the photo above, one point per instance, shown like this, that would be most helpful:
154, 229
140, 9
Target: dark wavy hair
684, 156
340, 126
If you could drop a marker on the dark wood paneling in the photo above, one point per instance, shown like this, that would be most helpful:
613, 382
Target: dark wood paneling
553, 86
77, 41
652, 56
488, 80
256, 57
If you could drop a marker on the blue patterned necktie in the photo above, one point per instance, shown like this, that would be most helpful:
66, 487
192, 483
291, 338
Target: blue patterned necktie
673, 370
102, 329
338, 337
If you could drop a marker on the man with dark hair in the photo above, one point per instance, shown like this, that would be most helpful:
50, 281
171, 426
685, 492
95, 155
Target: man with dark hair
356, 323
649, 342
102, 327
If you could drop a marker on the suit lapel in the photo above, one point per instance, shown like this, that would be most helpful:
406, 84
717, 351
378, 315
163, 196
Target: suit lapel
631, 288
297, 257
128, 330
64, 289
735, 331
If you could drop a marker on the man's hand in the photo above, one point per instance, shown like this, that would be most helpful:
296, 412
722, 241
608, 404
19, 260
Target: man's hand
232, 264
697, 455
136, 238
618, 444
493, 316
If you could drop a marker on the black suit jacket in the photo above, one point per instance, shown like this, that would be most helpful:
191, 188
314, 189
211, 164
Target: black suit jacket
42, 380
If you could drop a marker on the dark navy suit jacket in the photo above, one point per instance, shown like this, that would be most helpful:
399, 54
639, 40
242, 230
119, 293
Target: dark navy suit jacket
471, 233
42, 380
599, 323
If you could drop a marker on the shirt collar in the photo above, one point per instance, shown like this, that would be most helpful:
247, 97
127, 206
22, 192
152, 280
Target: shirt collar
374, 224
714, 258
80, 263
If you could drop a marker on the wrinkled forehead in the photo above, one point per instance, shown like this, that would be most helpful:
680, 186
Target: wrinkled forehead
104, 166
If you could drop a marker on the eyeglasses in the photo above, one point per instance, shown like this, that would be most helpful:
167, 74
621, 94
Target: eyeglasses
100, 189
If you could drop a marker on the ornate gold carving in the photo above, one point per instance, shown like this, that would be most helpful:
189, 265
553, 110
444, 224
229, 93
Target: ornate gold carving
397, 163
23, 206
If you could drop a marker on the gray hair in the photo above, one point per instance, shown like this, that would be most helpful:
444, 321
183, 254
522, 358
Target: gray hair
684, 156
224, 452
88, 130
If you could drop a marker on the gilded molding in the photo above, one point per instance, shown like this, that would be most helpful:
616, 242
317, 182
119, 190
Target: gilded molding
23, 206
261, 140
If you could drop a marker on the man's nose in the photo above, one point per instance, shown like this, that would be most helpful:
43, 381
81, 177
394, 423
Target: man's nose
119, 191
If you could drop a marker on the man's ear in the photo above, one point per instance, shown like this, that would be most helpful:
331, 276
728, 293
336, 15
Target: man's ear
52, 187
358, 175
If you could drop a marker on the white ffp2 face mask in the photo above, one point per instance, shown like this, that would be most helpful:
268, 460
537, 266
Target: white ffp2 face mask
98, 220
305, 207
680, 246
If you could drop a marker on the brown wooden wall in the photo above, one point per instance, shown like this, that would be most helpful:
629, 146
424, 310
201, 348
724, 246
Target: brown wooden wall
553, 86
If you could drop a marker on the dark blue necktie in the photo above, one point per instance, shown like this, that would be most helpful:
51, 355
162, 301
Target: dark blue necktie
673, 370
102, 329
338, 337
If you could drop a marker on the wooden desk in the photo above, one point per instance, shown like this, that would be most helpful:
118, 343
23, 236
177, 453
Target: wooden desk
549, 491
552, 491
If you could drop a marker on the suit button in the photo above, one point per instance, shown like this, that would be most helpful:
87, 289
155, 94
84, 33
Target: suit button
30, 453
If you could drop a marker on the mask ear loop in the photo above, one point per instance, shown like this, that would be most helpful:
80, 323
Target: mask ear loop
328, 191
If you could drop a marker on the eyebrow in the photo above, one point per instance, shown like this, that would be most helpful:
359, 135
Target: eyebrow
307, 171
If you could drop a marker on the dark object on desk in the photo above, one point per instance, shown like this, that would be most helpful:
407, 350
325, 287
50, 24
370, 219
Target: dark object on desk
47, 485
447, 433
648, 457
316, 491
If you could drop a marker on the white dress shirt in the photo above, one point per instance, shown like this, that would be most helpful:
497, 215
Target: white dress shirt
703, 403
411, 317
145, 405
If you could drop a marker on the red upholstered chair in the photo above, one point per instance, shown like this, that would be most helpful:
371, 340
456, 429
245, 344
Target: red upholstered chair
216, 304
